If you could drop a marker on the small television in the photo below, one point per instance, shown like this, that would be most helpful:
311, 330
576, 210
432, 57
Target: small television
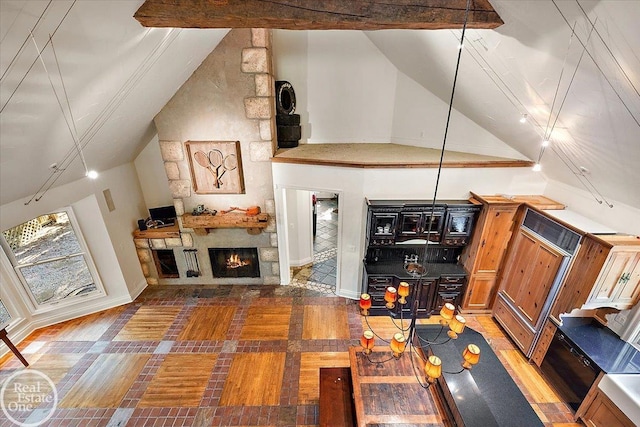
166, 214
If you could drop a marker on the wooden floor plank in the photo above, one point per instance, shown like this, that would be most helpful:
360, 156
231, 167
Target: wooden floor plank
255, 379
89, 328
538, 389
106, 381
181, 381
266, 323
149, 323
56, 366
323, 322
310, 364
208, 323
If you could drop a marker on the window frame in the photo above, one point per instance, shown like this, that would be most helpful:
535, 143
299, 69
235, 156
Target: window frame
30, 300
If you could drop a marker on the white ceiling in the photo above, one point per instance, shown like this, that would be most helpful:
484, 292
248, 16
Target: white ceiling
118, 75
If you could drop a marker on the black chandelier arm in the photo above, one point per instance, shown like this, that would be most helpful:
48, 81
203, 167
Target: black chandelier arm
401, 327
366, 319
379, 362
415, 372
431, 343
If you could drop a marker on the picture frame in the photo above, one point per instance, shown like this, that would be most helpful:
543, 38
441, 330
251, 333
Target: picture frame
215, 166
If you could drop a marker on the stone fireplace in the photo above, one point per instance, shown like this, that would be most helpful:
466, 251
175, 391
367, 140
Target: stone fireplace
230, 97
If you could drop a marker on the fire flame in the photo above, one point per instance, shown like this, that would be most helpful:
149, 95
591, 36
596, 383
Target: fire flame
234, 261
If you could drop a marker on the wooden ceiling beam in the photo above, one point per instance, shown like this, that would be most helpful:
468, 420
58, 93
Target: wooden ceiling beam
317, 14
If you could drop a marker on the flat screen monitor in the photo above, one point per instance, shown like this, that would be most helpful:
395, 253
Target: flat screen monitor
163, 213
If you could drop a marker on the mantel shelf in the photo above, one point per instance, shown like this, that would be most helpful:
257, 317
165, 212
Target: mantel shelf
201, 224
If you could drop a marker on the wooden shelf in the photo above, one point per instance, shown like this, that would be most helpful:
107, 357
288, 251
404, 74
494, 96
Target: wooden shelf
201, 224
158, 233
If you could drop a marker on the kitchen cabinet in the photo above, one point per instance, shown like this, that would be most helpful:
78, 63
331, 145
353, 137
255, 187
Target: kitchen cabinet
420, 290
449, 289
421, 225
596, 280
599, 411
376, 287
543, 343
618, 285
532, 268
458, 226
531, 271
382, 227
423, 293
483, 257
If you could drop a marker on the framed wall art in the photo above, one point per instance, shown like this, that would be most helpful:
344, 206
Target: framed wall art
216, 167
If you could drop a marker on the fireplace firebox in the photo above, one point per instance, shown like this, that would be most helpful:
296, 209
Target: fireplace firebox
234, 262
166, 264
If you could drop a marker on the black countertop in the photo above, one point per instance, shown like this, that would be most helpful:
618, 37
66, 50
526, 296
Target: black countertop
486, 395
601, 345
433, 270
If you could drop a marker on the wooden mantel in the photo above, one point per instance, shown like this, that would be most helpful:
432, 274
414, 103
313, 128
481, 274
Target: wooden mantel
318, 15
201, 224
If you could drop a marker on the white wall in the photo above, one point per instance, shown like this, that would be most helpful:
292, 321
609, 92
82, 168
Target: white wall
108, 237
420, 118
345, 91
152, 176
299, 227
622, 218
355, 184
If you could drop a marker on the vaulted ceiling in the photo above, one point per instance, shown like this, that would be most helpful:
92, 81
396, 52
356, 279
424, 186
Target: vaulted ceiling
116, 75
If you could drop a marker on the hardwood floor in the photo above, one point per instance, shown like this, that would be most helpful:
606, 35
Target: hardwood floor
220, 356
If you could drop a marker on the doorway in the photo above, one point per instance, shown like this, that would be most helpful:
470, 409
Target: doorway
318, 272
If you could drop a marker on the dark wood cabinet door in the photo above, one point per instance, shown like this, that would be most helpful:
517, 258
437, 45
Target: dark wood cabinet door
424, 294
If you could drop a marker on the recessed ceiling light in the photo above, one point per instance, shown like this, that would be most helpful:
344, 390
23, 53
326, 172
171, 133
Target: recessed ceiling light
537, 167
92, 174
523, 118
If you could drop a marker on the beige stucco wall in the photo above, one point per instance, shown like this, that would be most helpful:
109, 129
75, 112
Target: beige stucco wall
228, 98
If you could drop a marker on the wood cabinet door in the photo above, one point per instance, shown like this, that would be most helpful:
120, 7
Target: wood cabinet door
480, 291
518, 265
628, 287
495, 238
534, 292
531, 270
617, 265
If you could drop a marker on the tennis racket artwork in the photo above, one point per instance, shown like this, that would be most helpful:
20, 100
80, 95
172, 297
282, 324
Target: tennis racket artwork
215, 167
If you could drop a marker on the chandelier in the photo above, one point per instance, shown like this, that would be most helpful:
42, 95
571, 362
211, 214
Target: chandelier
405, 339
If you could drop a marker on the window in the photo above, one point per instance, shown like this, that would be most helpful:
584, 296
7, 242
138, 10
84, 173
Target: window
50, 258
5, 317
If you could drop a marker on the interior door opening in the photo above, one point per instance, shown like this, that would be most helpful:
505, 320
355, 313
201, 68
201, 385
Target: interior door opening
317, 269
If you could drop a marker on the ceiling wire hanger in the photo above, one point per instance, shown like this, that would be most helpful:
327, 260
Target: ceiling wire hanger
110, 108
580, 175
503, 87
604, 43
24, 43
71, 131
36, 60
635, 119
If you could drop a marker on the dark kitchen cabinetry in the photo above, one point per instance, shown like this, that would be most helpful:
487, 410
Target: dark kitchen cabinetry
392, 227
458, 226
376, 287
382, 227
424, 295
449, 290
420, 225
